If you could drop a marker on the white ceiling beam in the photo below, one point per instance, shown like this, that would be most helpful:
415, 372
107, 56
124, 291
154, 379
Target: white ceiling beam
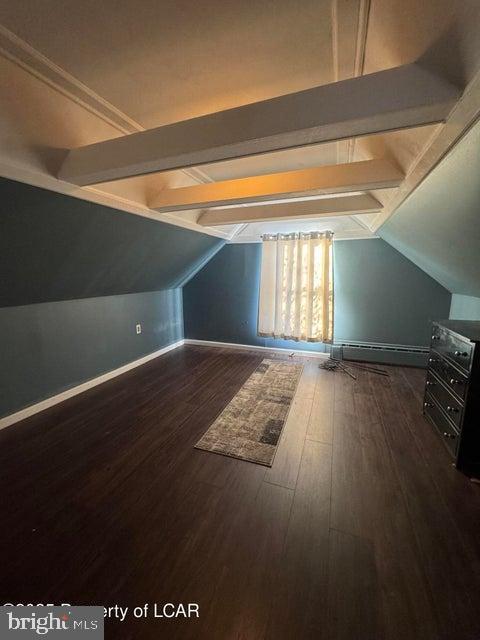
356, 176
340, 206
397, 98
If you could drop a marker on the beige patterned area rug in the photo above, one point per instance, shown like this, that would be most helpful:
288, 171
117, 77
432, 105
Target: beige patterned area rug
250, 426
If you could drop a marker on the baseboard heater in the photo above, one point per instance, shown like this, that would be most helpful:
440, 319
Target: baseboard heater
404, 355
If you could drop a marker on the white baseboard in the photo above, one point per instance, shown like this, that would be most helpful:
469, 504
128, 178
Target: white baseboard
89, 384
250, 347
74, 391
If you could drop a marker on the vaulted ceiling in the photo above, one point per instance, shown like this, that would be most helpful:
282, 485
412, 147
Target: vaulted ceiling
438, 226
76, 74
54, 247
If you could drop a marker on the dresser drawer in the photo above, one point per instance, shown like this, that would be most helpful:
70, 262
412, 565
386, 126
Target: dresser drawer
450, 405
451, 347
447, 432
453, 379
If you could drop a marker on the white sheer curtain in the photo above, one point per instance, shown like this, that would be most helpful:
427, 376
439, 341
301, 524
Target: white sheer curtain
296, 287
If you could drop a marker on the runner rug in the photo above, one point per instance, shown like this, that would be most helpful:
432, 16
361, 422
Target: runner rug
251, 424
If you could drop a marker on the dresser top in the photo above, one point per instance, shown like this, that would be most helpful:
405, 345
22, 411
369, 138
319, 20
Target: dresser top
466, 328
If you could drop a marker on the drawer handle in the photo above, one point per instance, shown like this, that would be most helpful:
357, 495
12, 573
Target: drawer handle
434, 337
430, 383
427, 404
452, 409
450, 436
455, 381
461, 354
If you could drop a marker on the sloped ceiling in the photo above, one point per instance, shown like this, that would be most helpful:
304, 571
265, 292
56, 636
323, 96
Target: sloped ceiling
56, 247
161, 61
438, 226
79, 73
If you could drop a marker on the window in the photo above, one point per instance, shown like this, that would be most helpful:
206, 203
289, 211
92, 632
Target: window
296, 287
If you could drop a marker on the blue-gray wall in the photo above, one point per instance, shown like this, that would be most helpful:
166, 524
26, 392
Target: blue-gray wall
380, 296
75, 278
438, 227
52, 346
55, 247
221, 301
464, 307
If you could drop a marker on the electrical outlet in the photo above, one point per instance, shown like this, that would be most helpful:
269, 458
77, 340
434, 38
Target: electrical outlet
138, 328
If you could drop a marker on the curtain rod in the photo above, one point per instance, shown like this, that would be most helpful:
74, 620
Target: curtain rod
297, 235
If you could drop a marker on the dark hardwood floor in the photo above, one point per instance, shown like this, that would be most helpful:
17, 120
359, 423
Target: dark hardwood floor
361, 530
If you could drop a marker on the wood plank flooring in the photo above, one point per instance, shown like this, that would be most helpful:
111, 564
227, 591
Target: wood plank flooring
361, 530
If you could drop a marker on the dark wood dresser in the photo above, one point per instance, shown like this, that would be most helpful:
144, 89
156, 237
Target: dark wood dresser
452, 391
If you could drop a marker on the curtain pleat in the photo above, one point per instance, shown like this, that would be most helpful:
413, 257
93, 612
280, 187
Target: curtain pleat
296, 287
